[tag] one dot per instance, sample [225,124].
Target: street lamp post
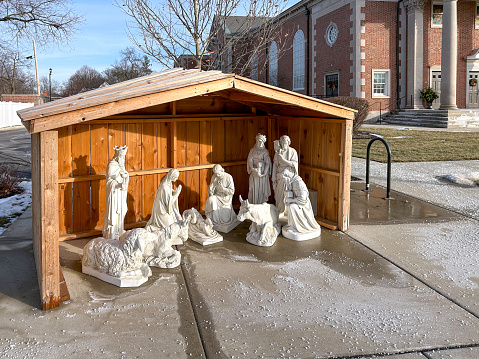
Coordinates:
[50,85]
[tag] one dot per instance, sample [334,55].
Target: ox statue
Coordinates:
[265,227]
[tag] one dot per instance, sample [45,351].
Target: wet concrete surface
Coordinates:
[401,282]
[15,148]
[327,297]
[424,180]
[372,207]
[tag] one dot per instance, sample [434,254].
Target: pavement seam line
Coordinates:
[414,276]
[195,314]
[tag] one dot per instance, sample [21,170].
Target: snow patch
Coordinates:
[17,203]
[455,247]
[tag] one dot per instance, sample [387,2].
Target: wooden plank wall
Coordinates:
[192,146]
[319,144]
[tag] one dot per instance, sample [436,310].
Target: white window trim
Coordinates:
[475,12]
[432,13]
[303,58]
[388,84]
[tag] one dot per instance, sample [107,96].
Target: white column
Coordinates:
[415,51]
[449,55]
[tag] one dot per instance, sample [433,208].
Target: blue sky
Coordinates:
[98,42]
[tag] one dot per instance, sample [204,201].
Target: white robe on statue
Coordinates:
[165,207]
[278,169]
[219,205]
[116,191]
[300,214]
[259,187]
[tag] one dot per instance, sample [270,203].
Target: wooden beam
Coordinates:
[115,107]
[248,97]
[293,98]
[345,175]
[152,171]
[320,170]
[45,216]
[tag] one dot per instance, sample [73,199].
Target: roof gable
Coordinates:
[168,86]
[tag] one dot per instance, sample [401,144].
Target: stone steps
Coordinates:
[422,118]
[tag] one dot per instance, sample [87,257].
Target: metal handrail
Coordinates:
[388,188]
[398,101]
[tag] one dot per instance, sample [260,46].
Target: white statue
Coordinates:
[301,222]
[119,262]
[165,206]
[157,244]
[201,231]
[219,204]
[285,158]
[116,191]
[265,227]
[258,166]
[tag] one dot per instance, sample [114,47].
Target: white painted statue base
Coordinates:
[226,228]
[207,241]
[297,236]
[128,281]
[176,241]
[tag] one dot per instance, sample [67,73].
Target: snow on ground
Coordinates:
[467,179]
[455,247]
[13,205]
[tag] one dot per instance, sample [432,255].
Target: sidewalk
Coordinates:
[402,282]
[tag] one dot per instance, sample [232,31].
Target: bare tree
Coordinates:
[56,87]
[13,78]
[84,79]
[130,66]
[194,27]
[46,21]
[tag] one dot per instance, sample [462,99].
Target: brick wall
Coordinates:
[467,41]
[285,62]
[337,57]
[380,48]
[37,100]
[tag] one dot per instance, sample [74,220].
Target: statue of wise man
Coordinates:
[115,195]
[285,157]
[219,204]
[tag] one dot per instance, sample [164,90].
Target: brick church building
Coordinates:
[383,50]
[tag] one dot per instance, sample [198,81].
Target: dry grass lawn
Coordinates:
[418,146]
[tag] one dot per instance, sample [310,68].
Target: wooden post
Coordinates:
[345,175]
[45,216]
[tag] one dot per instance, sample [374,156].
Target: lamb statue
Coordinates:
[265,227]
[125,262]
[119,262]
[157,244]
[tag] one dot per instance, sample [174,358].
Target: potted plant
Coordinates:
[428,95]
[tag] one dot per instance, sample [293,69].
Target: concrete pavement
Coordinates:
[401,282]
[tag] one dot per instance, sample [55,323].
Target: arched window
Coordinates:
[254,67]
[273,64]
[298,60]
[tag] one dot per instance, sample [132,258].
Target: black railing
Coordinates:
[397,105]
[388,188]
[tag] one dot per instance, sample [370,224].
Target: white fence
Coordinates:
[8,113]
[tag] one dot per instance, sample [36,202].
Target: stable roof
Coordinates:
[173,85]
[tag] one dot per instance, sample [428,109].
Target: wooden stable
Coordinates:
[189,120]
